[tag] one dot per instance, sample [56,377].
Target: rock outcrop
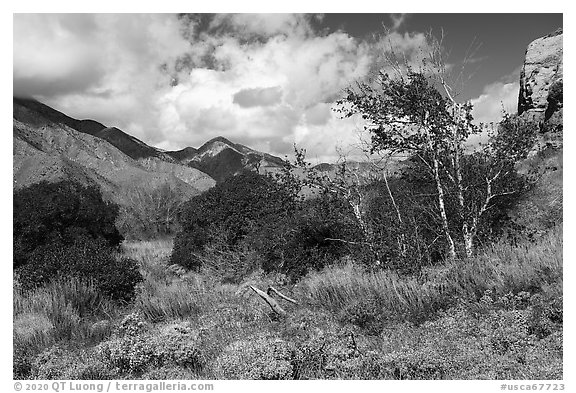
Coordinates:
[541,82]
[541,208]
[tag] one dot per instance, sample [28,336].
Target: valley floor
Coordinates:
[497,316]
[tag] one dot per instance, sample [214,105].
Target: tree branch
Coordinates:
[274,290]
[271,302]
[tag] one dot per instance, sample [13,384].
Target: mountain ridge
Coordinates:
[218,157]
[128,144]
[45,149]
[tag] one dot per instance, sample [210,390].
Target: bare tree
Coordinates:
[155,208]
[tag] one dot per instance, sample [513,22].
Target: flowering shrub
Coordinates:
[59,363]
[493,343]
[544,359]
[135,350]
[507,331]
[263,358]
[132,325]
[129,354]
[179,345]
[334,354]
[414,363]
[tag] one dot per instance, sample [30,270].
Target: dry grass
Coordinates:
[165,294]
[233,326]
[65,309]
[151,251]
[347,286]
[153,256]
[160,301]
[503,268]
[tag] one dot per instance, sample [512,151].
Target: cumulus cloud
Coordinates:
[54,54]
[496,98]
[319,114]
[339,133]
[260,96]
[105,66]
[266,81]
[489,108]
[265,25]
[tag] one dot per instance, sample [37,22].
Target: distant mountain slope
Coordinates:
[184,154]
[46,114]
[220,166]
[221,158]
[366,169]
[31,165]
[131,146]
[44,149]
[95,159]
[128,144]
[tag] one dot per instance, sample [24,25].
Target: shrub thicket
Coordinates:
[322,231]
[263,215]
[45,213]
[498,317]
[114,276]
[65,229]
[235,207]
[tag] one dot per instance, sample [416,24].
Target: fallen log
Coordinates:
[271,302]
[272,289]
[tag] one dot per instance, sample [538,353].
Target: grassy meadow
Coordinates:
[495,316]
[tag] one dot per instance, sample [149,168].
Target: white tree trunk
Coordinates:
[468,241]
[442,208]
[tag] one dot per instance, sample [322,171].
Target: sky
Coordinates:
[266,81]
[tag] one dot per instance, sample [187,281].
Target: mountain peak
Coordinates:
[220,158]
[217,139]
[220,138]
